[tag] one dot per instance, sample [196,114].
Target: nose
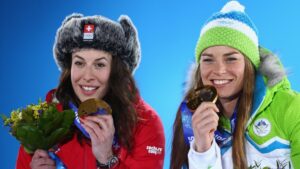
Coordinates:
[88,74]
[220,67]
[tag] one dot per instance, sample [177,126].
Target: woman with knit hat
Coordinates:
[97,57]
[255,122]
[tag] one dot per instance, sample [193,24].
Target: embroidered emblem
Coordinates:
[88,32]
[262,127]
[154,150]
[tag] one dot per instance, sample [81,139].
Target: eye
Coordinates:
[231,59]
[100,65]
[78,63]
[207,60]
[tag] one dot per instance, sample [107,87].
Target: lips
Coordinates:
[221,81]
[88,90]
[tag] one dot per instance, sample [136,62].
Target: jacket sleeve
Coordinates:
[149,146]
[211,159]
[23,160]
[292,128]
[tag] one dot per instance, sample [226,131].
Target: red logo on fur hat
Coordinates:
[88,32]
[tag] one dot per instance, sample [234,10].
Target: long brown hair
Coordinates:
[180,149]
[243,111]
[121,96]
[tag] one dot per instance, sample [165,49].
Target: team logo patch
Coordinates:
[88,32]
[262,127]
[154,150]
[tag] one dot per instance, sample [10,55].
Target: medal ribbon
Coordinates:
[223,136]
[58,162]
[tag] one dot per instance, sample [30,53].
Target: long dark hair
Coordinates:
[180,149]
[121,96]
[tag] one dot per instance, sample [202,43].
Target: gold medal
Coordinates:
[206,93]
[92,106]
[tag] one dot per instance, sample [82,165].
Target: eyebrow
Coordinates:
[226,54]
[81,58]
[207,54]
[230,53]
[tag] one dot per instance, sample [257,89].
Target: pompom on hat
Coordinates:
[120,39]
[230,27]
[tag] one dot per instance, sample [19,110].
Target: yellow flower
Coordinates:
[20,116]
[15,117]
[44,104]
[36,107]
[36,114]
[7,121]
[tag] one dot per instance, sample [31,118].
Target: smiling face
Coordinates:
[90,71]
[223,67]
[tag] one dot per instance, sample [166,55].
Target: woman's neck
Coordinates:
[228,106]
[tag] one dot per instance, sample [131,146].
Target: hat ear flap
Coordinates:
[73,15]
[133,45]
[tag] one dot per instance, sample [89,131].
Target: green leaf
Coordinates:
[27,116]
[4,117]
[57,136]
[69,117]
[30,137]
[5,120]
[46,120]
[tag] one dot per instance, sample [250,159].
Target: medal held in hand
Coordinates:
[89,107]
[202,94]
[93,106]
[190,104]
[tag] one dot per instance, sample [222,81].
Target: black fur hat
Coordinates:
[118,38]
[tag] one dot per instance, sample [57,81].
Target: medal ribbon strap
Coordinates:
[186,119]
[222,136]
[77,121]
[58,162]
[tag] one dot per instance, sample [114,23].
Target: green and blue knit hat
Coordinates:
[230,27]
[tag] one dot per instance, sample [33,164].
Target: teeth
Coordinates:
[88,88]
[220,81]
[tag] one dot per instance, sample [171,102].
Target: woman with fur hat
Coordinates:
[255,122]
[97,57]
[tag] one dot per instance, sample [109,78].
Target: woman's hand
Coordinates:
[204,122]
[41,160]
[101,130]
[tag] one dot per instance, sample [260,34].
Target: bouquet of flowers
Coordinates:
[39,126]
